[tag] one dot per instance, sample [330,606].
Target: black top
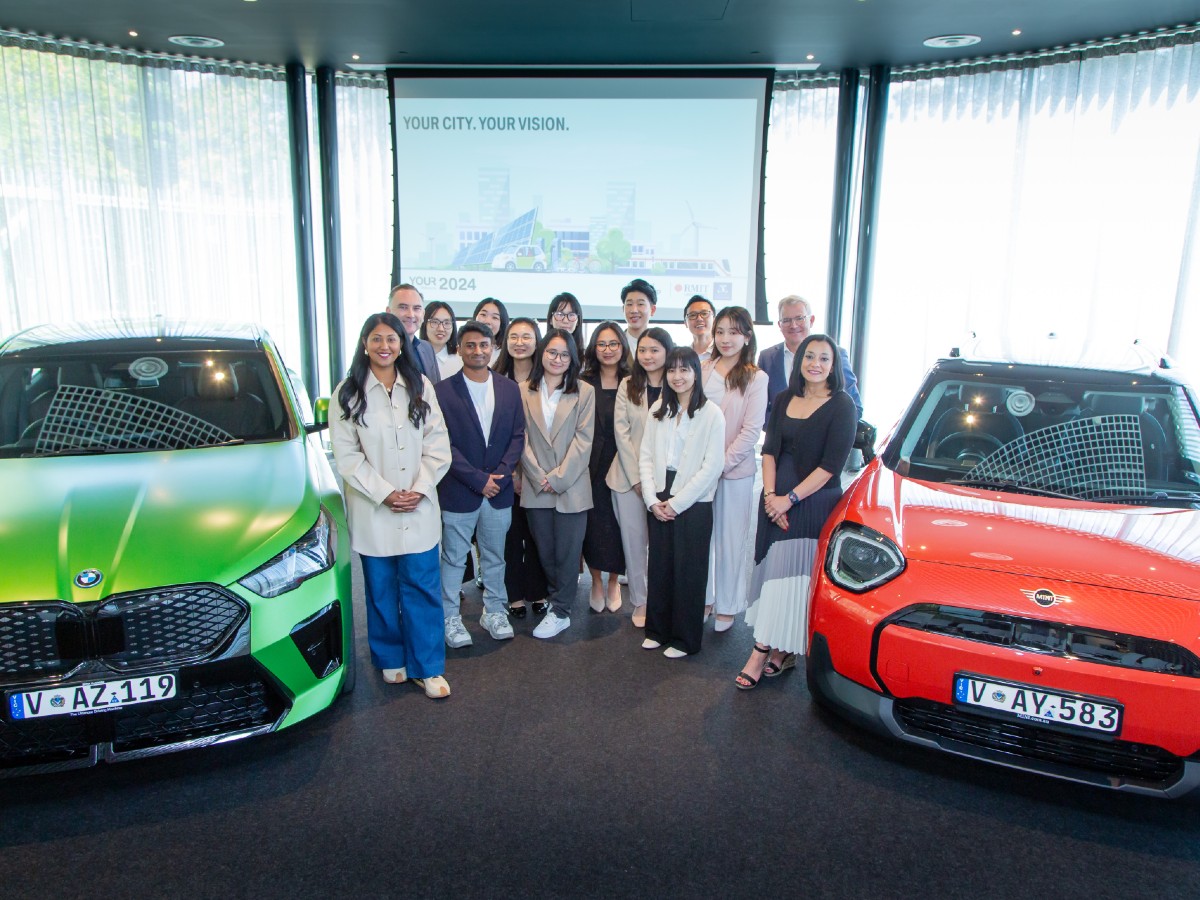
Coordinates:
[823,440]
[604,437]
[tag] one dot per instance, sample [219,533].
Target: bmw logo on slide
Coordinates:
[89,578]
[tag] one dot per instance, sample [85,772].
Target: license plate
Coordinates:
[90,697]
[1033,704]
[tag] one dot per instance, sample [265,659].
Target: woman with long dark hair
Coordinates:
[441,330]
[391,447]
[739,387]
[635,396]
[492,313]
[566,313]
[523,574]
[808,439]
[680,462]
[560,413]
[605,364]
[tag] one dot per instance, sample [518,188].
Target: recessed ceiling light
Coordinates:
[133,34]
[810,56]
[354,56]
[195,41]
[1016,31]
[949,41]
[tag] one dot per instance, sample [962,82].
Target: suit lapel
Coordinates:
[537,418]
[565,405]
[460,388]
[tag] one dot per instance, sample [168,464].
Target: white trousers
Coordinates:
[731,558]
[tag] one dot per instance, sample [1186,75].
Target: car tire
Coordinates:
[538,267]
[350,664]
[510,267]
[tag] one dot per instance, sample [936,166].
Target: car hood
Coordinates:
[1142,549]
[149,519]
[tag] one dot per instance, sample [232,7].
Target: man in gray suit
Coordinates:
[408,305]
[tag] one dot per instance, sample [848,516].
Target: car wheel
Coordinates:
[538,267]
[350,663]
[510,267]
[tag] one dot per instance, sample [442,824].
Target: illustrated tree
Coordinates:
[613,249]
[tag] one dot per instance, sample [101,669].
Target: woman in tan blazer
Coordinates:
[556,492]
[634,398]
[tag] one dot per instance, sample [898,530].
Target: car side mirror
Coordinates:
[320,416]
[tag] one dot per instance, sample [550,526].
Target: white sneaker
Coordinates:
[650,644]
[456,633]
[674,653]
[497,625]
[551,625]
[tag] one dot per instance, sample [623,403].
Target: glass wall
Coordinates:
[1035,196]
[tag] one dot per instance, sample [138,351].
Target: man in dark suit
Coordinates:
[487,434]
[408,305]
[795,321]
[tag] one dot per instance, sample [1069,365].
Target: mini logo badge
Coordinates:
[89,578]
[1045,597]
[58,701]
[999,696]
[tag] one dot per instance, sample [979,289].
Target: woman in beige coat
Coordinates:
[556,492]
[391,448]
[635,396]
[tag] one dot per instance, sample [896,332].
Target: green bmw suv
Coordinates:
[175,555]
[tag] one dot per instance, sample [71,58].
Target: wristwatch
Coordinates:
[792,496]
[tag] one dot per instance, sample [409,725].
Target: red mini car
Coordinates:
[1016,578]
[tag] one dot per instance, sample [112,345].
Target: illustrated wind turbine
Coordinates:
[694,227]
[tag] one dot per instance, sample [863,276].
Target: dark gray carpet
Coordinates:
[582,766]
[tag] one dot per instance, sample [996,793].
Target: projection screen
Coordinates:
[521,187]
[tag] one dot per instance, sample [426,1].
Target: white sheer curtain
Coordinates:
[134,185]
[1048,194]
[798,200]
[364,187]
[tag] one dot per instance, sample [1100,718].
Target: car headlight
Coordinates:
[860,558]
[309,556]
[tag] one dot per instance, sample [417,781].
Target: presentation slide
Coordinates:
[523,187]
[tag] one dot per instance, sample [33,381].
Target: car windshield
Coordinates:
[1098,438]
[122,401]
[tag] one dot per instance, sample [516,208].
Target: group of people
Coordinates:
[624,451]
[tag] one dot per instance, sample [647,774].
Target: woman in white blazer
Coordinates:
[635,396]
[556,492]
[683,450]
[391,447]
[739,387]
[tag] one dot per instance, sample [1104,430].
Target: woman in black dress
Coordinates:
[605,363]
[809,436]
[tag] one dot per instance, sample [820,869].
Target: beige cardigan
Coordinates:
[561,454]
[629,422]
[745,414]
[699,468]
[387,453]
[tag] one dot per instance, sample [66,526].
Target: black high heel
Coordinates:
[750,682]
[518,612]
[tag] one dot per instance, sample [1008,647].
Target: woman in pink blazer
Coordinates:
[739,387]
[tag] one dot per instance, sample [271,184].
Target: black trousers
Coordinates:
[523,574]
[677,574]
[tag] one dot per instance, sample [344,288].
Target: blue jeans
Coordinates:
[404,617]
[490,525]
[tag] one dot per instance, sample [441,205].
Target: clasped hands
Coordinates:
[776,508]
[663,511]
[403,501]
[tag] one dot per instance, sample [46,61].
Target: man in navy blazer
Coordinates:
[407,304]
[796,320]
[487,435]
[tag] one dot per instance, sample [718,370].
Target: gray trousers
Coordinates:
[559,540]
[631,516]
[490,525]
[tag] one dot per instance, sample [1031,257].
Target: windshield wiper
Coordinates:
[1004,484]
[1155,495]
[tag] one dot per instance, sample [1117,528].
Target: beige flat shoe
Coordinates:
[435,686]
[639,616]
[395,676]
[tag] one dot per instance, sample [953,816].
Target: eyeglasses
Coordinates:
[699,316]
[558,354]
[566,316]
[608,345]
[439,323]
[793,320]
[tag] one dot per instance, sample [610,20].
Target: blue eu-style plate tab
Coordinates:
[960,689]
[16,706]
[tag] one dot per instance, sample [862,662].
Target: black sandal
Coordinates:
[518,612]
[751,682]
[772,668]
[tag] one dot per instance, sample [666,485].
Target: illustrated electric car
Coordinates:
[528,258]
[175,551]
[1016,578]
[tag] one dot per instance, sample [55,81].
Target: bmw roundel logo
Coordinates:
[89,578]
